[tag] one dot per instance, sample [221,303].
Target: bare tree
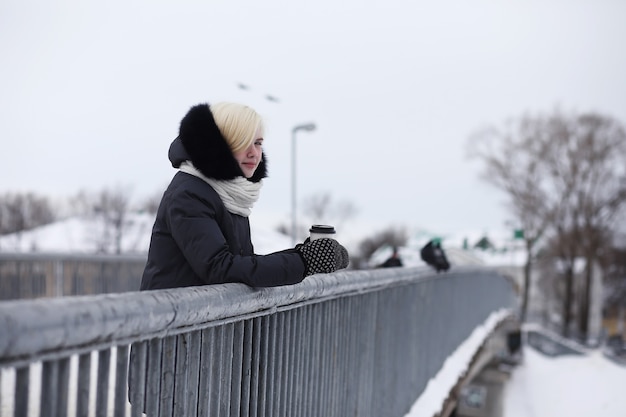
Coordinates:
[151,203]
[23,211]
[317,205]
[111,207]
[82,203]
[115,205]
[588,151]
[391,236]
[283,229]
[321,208]
[563,173]
[511,163]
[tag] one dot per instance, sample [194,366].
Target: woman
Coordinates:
[202,233]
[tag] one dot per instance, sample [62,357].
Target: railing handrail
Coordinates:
[85,323]
[64,256]
[327,346]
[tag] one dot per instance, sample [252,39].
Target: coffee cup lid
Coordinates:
[322,228]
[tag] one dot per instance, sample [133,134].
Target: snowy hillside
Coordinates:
[88,235]
[82,235]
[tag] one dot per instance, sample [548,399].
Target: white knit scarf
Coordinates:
[238,194]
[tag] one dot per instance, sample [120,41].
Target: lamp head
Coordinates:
[308,127]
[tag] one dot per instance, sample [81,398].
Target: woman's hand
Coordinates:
[323,256]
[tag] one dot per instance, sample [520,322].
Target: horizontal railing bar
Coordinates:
[78,324]
[62,257]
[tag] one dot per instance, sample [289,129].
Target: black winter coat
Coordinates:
[195,240]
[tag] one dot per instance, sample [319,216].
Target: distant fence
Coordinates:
[35,275]
[352,343]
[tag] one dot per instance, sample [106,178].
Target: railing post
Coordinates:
[58,277]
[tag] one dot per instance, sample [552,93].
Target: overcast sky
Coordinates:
[92,93]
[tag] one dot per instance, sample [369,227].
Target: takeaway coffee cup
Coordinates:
[318,231]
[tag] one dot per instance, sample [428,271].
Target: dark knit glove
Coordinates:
[322,256]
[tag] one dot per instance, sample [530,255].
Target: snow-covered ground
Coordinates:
[438,388]
[573,386]
[541,386]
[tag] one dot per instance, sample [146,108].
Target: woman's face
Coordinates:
[250,157]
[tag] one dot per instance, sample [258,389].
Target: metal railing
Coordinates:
[36,275]
[353,343]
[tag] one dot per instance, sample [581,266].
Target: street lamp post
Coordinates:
[307,127]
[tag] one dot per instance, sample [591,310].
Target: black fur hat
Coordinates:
[207,148]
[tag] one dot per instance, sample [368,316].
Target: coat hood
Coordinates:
[201,142]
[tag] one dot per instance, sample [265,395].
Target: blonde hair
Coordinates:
[237,123]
